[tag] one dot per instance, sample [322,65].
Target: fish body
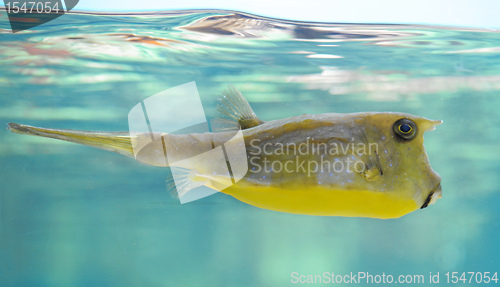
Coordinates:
[357,165]
[337,165]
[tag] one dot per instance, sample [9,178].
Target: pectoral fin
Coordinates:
[373,168]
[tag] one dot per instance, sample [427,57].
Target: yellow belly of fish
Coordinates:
[320,200]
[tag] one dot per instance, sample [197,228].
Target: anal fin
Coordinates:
[187,185]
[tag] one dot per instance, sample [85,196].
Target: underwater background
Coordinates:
[76,216]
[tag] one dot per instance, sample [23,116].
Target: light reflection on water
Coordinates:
[72,216]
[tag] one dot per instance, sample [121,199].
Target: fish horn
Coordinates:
[430,125]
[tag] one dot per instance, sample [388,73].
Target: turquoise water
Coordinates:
[77,216]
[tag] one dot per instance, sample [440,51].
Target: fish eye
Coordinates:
[405,129]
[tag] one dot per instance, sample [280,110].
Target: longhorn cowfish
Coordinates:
[368,164]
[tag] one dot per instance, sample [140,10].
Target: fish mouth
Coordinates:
[434,195]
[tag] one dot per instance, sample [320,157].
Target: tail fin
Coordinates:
[111,141]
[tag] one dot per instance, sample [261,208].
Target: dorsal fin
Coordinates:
[232,105]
